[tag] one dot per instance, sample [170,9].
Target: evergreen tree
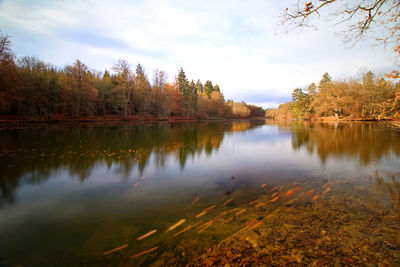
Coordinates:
[208,88]
[199,87]
[300,103]
[139,70]
[104,87]
[312,89]
[194,97]
[185,89]
[183,82]
[325,78]
[143,93]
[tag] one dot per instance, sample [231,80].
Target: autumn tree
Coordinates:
[391,109]
[9,82]
[41,87]
[376,18]
[330,101]
[159,81]
[79,89]
[238,109]
[326,102]
[256,111]
[175,98]
[104,87]
[123,88]
[33,88]
[10,85]
[284,112]
[368,94]
[203,105]
[217,107]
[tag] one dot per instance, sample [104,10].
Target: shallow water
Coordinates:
[71,194]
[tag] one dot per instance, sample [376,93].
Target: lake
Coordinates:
[162,194]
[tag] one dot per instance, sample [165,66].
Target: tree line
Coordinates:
[368,98]
[33,89]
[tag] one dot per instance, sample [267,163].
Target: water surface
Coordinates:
[70,194]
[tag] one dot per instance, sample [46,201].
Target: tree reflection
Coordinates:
[366,141]
[34,155]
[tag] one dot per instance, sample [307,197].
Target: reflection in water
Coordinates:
[32,155]
[247,193]
[367,141]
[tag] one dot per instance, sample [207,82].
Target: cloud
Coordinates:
[231,42]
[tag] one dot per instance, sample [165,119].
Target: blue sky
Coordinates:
[236,44]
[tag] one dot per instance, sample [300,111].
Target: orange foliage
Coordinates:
[274,199]
[291,191]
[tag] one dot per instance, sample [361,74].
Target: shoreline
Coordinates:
[332,119]
[7,122]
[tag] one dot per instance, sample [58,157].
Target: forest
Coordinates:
[31,89]
[366,98]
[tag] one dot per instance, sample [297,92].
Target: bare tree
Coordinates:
[124,86]
[159,80]
[5,44]
[361,17]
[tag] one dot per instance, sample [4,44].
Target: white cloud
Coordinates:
[231,42]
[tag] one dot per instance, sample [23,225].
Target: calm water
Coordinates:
[70,194]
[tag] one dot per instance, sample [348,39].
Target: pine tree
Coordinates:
[312,89]
[143,91]
[139,70]
[199,87]
[325,78]
[300,103]
[104,87]
[208,88]
[194,97]
[185,89]
[183,82]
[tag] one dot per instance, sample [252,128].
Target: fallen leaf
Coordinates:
[195,200]
[146,235]
[274,199]
[144,252]
[240,212]
[115,249]
[176,225]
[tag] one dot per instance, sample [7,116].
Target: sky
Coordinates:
[238,45]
